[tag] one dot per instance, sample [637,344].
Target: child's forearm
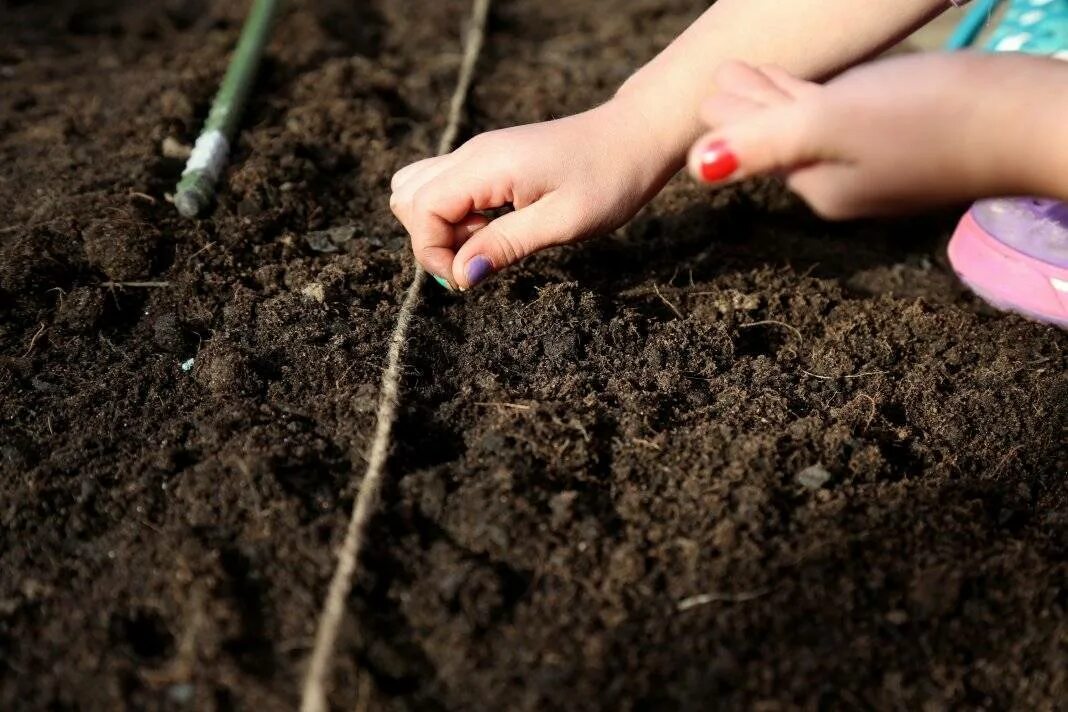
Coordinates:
[810,38]
[1014,127]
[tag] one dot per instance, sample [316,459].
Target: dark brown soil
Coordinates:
[585,444]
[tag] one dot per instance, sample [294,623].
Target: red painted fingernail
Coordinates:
[717,161]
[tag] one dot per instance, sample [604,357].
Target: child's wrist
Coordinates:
[671,123]
[645,148]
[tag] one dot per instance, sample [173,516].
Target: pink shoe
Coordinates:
[1013,252]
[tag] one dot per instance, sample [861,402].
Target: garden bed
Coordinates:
[595,497]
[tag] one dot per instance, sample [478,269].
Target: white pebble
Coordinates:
[813,476]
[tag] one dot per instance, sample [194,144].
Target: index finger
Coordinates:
[440,207]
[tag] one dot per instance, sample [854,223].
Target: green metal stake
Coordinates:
[197,186]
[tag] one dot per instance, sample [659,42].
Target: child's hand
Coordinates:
[566,180]
[885,137]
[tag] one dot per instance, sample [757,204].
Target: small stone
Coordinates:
[173,148]
[182,693]
[314,291]
[329,285]
[730,300]
[330,240]
[813,476]
[744,302]
[897,617]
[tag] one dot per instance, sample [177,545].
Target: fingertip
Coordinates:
[398,178]
[444,283]
[777,140]
[471,266]
[712,159]
[479,257]
[437,261]
[474,271]
[553,219]
[510,238]
[404,174]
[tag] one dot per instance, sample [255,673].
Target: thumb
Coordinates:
[509,239]
[777,139]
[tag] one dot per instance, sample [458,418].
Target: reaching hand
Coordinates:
[566,179]
[882,138]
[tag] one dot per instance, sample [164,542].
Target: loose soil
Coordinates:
[585,444]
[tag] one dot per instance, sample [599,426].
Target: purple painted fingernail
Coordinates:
[477,269]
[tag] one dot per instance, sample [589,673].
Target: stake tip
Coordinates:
[188,203]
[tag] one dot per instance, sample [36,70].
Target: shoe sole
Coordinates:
[1007,279]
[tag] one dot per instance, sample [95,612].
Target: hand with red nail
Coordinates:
[566,180]
[893,135]
[586,174]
